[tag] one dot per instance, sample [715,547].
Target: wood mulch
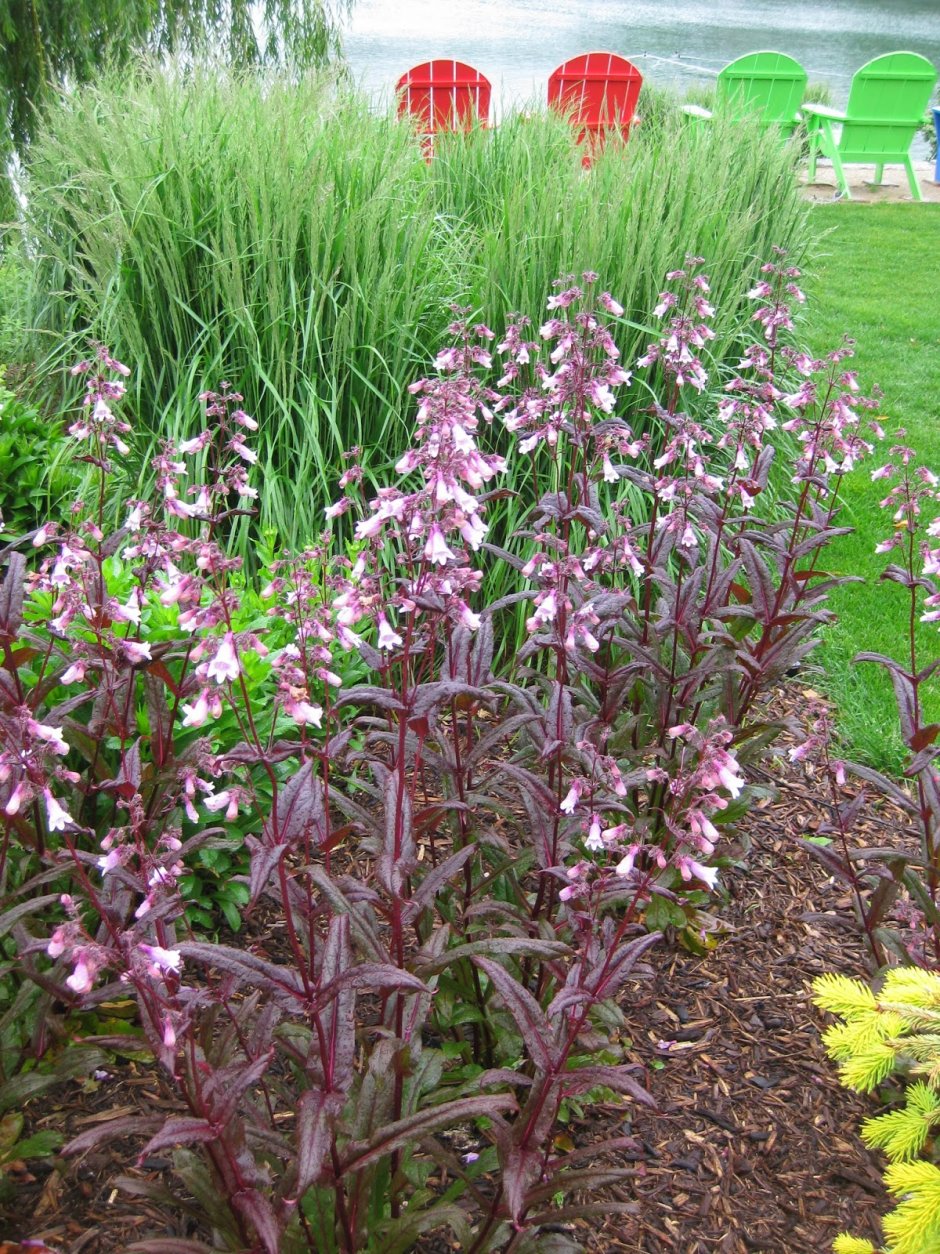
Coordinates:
[754,1146]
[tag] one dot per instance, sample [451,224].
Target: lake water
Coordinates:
[517,43]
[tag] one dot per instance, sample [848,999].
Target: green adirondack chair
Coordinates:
[887,103]
[768,84]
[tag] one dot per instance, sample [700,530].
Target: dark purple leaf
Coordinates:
[372,977]
[430,697]
[130,1125]
[169,1245]
[527,1014]
[579,1211]
[762,466]
[609,975]
[158,715]
[502,1075]
[518,947]
[613,1145]
[225,1087]
[127,781]
[924,736]
[397,859]
[250,755]
[481,655]
[317,1113]
[554,505]
[370,655]
[11,595]
[300,814]
[369,694]
[884,785]
[264,861]
[339,1019]
[12,916]
[832,861]
[410,1129]
[360,917]
[582,1180]
[611,1077]
[424,895]
[521,1169]
[181,1130]
[258,1210]
[763,592]
[560,719]
[281,982]
[887,853]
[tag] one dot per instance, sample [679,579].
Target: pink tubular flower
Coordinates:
[437,550]
[83,977]
[57,816]
[224,666]
[59,941]
[136,652]
[388,637]
[572,798]
[196,715]
[162,961]
[21,793]
[226,800]
[51,735]
[110,861]
[625,866]
[594,840]
[74,674]
[689,868]
[337,510]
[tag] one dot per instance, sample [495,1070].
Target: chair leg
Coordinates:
[879,174]
[841,181]
[912,179]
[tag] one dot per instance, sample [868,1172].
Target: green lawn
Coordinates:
[878,280]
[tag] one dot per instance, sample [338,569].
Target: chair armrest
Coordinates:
[823,111]
[695,111]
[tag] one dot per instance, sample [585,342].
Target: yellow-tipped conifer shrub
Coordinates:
[894,1032]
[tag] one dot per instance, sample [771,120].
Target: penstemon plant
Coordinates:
[454,873]
[651,640]
[897,888]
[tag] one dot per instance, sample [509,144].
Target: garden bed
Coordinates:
[754,1145]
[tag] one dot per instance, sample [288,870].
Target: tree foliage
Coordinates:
[48,43]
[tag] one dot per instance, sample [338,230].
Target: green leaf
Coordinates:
[232,914]
[11,1125]
[661,913]
[39,1145]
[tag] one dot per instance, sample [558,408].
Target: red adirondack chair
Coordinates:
[443,96]
[598,93]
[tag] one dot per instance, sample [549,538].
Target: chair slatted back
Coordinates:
[444,96]
[769,84]
[887,103]
[598,92]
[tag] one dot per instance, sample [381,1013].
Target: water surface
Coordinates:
[517,43]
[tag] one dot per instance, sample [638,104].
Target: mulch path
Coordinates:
[754,1146]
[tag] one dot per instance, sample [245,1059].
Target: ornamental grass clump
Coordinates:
[278,232]
[459,867]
